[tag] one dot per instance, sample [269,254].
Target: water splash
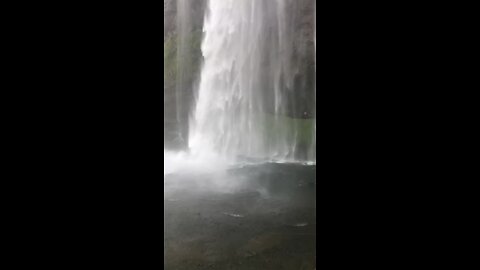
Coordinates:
[185,162]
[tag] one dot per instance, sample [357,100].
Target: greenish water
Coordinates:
[301,130]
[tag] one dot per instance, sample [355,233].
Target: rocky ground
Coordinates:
[266,220]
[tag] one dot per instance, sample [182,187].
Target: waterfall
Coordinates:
[254,98]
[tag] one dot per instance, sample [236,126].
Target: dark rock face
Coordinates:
[183,58]
[302,94]
[298,83]
[169,11]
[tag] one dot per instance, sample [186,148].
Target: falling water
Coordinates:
[251,100]
[244,106]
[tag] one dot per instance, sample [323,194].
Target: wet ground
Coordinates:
[251,217]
